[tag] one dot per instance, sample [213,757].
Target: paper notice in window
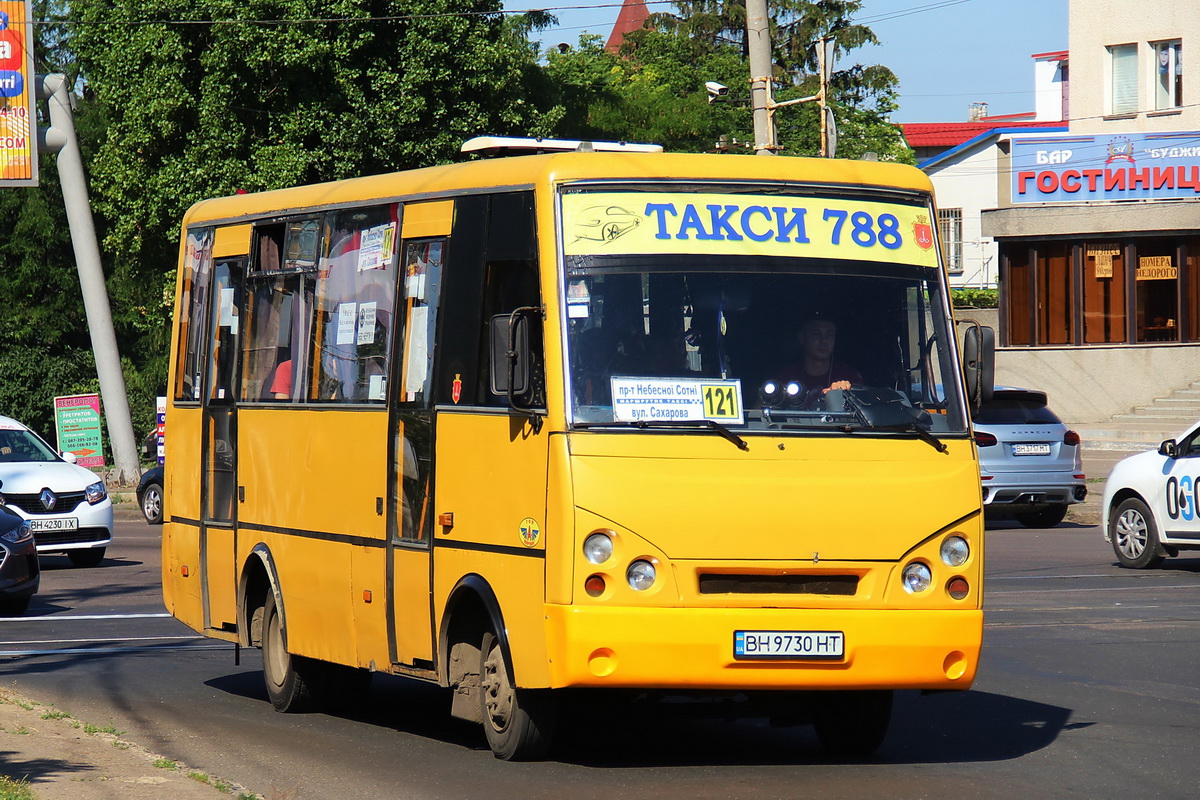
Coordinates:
[347,319]
[376,246]
[366,323]
[416,349]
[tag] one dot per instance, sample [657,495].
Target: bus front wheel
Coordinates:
[853,723]
[291,680]
[518,723]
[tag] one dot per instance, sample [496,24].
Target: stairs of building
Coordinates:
[1140,429]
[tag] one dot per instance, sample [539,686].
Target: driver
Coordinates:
[819,371]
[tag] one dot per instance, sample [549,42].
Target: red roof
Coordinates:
[633,15]
[952,134]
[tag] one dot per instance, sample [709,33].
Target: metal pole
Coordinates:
[60,137]
[821,92]
[758,43]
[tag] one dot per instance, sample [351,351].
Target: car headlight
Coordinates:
[916,577]
[955,551]
[95,493]
[641,575]
[21,533]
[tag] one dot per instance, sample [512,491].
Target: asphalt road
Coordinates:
[1089,687]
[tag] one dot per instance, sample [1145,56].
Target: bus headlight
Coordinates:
[641,575]
[955,551]
[916,577]
[598,548]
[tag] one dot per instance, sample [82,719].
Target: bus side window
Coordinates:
[197,269]
[275,355]
[356,291]
[491,268]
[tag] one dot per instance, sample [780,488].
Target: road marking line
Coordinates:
[106,639]
[988,594]
[54,618]
[103,651]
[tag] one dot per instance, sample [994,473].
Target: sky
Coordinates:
[948,54]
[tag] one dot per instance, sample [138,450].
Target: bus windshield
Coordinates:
[790,338]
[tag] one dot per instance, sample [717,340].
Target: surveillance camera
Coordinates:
[716,89]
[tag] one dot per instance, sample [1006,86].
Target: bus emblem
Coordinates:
[456,391]
[923,232]
[531,532]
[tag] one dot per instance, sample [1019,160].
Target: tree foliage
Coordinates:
[654,90]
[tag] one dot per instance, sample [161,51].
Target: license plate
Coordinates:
[1031,449]
[788,644]
[66,524]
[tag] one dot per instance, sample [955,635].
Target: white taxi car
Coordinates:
[1151,503]
[67,506]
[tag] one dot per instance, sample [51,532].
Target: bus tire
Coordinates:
[291,680]
[1134,535]
[853,723]
[518,723]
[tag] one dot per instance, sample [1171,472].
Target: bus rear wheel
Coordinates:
[291,680]
[853,723]
[518,723]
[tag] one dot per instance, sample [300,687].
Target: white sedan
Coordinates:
[1152,503]
[67,506]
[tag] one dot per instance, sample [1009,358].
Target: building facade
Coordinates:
[1098,228]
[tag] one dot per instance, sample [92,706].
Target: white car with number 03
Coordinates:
[67,506]
[1151,503]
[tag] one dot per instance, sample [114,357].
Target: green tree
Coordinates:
[654,91]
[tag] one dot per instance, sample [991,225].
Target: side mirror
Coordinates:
[1169,449]
[509,366]
[979,363]
[69,457]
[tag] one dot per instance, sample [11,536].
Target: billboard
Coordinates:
[18,117]
[1126,166]
[77,423]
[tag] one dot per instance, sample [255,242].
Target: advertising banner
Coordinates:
[1129,166]
[77,423]
[160,428]
[18,118]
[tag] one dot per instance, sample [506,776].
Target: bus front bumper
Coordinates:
[693,648]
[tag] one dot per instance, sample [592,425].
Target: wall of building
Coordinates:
[1091,384]
[967,183]
[1095,25]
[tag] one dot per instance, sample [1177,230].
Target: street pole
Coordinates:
[823,71]
[758,42]
[60,138]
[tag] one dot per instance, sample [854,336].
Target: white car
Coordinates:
[67,506]
[1151,503]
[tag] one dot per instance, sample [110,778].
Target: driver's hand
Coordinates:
[836,385]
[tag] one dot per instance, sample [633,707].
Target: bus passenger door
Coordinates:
[219,455]
[411,444]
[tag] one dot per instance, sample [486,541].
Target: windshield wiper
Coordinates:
[711,425]
[883,409]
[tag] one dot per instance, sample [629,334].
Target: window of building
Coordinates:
[1103,292]
[950,227]
[1123,76]
[1168,75]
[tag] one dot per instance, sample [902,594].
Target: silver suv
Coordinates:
[1029,461]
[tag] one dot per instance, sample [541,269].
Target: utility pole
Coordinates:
[60,138]
[758,42]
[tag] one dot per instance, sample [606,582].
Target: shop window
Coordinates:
[950,228]
[355,307]
[1055,293]
[1191,265]
[1103,292]
[1123,79]
[1157,279]
[1017,286]
[1168,75]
